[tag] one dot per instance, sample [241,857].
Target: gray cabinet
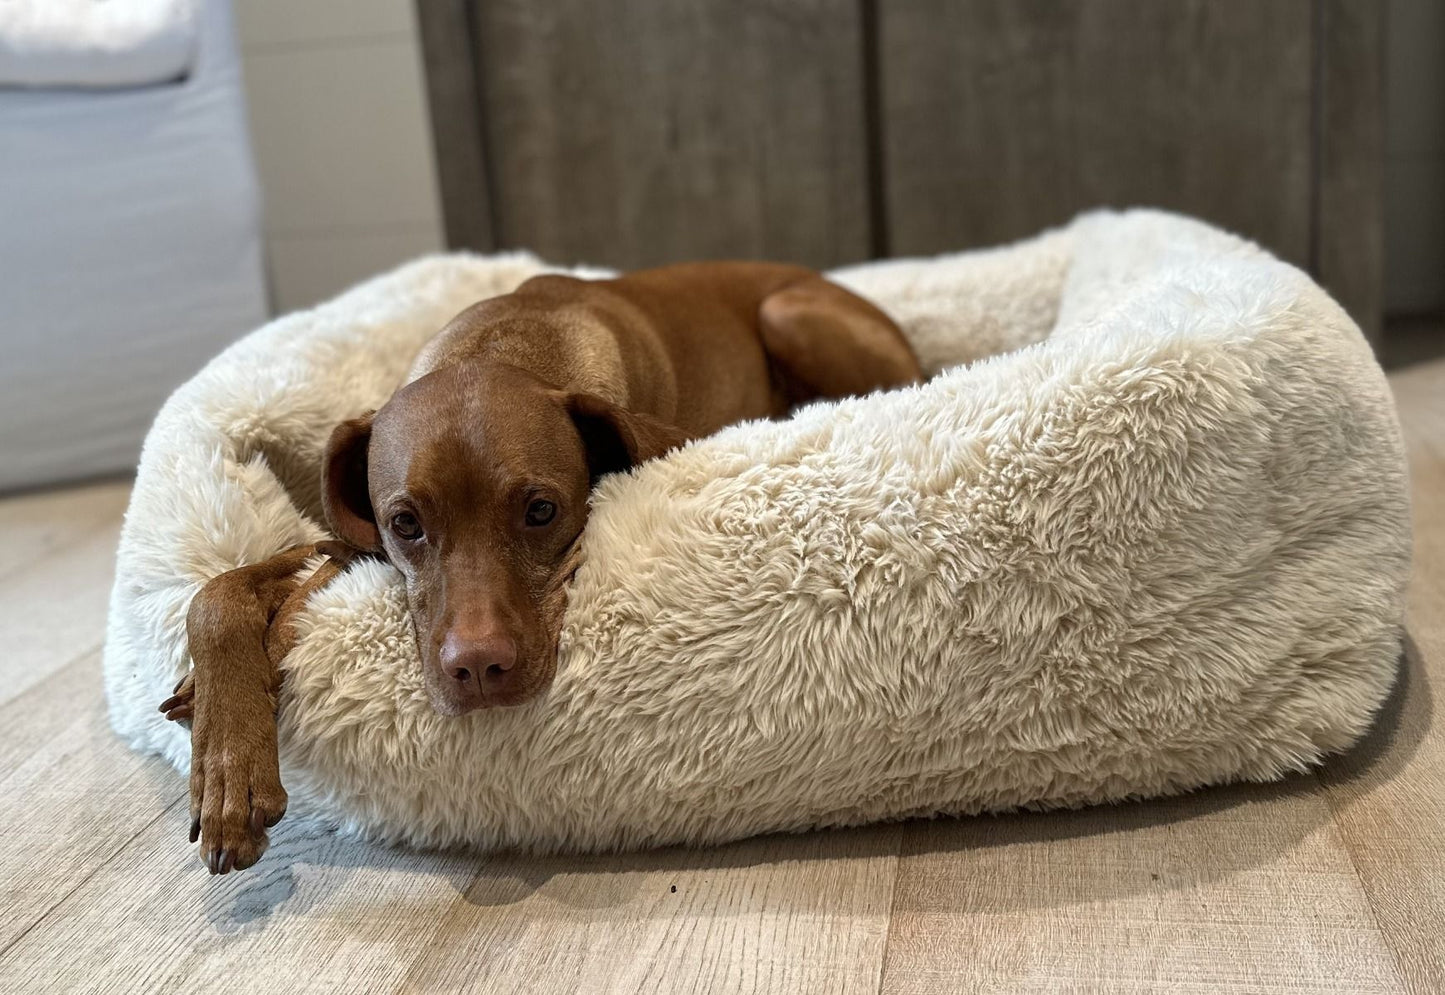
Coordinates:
[635,132]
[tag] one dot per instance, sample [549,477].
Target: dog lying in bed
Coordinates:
[473,479]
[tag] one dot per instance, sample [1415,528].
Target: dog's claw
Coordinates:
[195,829]
[226,860]
[180,706]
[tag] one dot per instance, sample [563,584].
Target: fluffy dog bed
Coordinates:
[1145,530]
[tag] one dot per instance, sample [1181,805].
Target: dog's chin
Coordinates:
[450,707]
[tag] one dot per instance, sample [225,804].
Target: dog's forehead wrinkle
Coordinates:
[451,472]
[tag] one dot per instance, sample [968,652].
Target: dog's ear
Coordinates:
[344,491]
[617,439]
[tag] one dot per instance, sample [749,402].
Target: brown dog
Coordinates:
[473,481]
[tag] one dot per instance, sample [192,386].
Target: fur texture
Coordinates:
[1146,531]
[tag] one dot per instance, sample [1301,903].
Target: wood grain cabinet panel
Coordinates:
[1002,117]
[630,133]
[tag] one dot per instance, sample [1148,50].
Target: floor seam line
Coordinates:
[892,911]
[1402,976]
[99,865]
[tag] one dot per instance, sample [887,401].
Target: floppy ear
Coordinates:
[618,439]
[344,492]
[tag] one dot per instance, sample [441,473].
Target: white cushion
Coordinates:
[95,43]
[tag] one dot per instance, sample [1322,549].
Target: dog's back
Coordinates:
[679,342]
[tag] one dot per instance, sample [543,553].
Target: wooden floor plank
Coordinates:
[784,914]
[35,524]
[1390,805]
[1240,888]
[70,804]
[54,608]
[35,716]
[319,913]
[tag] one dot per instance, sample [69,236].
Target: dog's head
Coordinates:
[473,481]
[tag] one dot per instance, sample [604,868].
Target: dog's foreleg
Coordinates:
[230,698]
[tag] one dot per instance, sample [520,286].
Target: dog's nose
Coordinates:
[485,660]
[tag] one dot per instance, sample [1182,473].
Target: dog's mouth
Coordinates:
[452,705]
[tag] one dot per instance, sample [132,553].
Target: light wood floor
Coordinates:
[1330,882]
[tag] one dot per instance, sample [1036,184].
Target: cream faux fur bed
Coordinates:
[1145,530]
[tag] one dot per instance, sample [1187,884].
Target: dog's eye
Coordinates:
[541,512]
[406,526]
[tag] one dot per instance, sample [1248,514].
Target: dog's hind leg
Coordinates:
[829,342]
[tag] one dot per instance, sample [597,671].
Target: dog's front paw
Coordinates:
[236,792]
